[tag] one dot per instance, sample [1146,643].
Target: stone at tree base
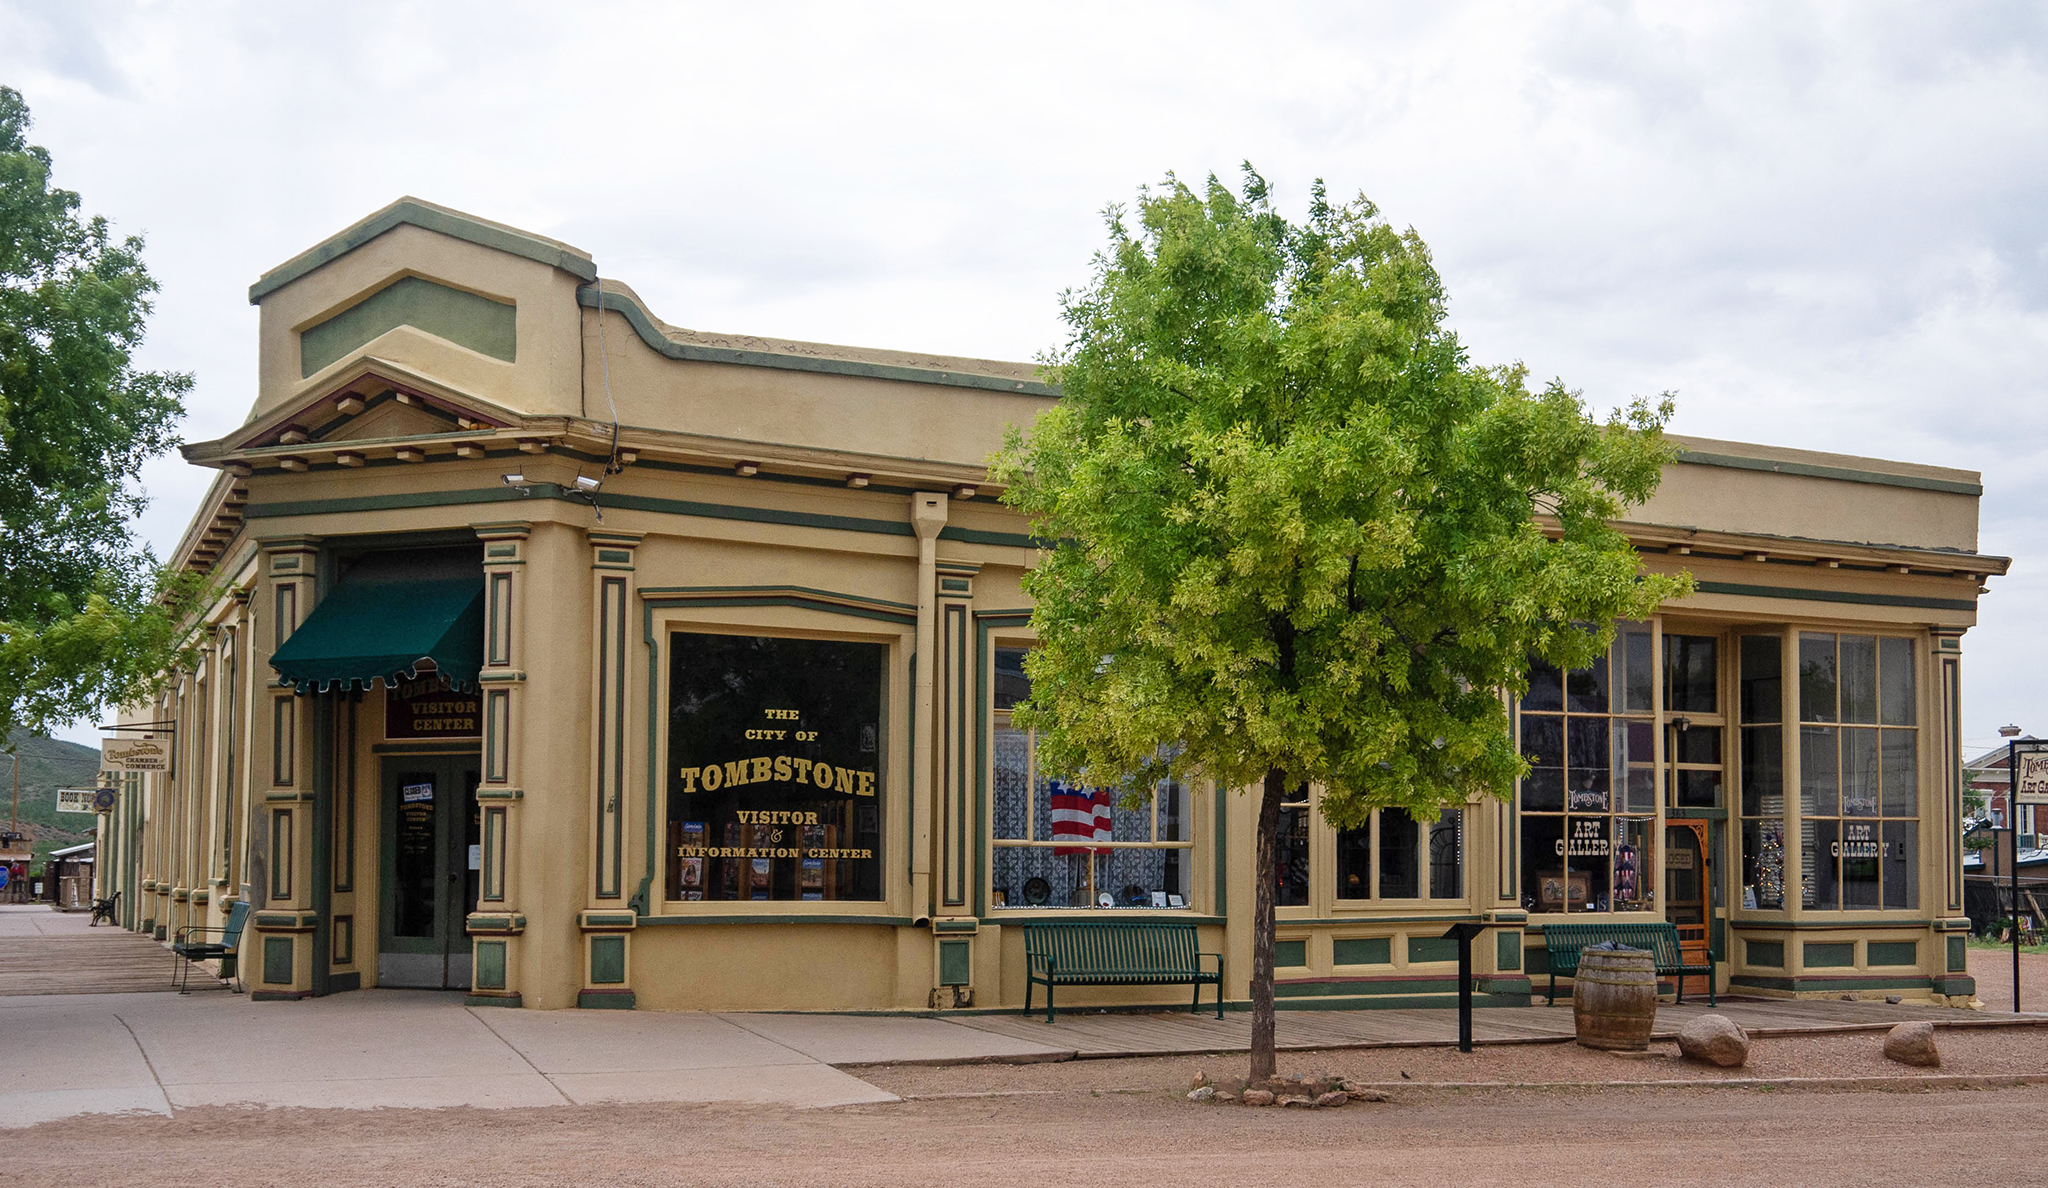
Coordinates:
[1202,1094]
[1715,1039]
[1333,1098]
[1258,1097]
[1912,1043]
[1295,1100]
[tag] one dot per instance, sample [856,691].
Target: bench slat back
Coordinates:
[1566,940]
[1113,946]
[238,915]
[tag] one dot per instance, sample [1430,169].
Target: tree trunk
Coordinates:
[1265,880]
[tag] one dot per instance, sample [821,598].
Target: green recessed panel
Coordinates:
[1892,952]
[1958,956]
[1373,950]
[1763,952]
[277,960]
[1290,952]
[954,962]
[490,965]
[1830,954]
[465,319]
[607,960]
[1508,949]
[1431,948]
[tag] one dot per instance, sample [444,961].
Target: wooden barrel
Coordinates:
[1614,998]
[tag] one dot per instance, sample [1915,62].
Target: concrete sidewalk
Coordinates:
[158,1053]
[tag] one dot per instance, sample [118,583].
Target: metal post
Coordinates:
[1464,991]
[2012,819]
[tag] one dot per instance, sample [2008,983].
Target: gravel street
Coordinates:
[1108,1122]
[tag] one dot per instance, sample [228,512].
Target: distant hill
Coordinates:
[48,764]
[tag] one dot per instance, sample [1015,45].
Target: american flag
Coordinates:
[1079,815]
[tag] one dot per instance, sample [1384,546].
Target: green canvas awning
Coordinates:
[382,623]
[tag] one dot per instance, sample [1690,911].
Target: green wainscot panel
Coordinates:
[1431,948]
[1958,955]
[1507,947]
[1290,952]
[1892,953]
[1764,952]
[490,965]
[1364,950]
[955,962]
[607,960]
[277,960]
[1830,954]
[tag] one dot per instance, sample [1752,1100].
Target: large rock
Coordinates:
[1715,1039]
[1912,1043]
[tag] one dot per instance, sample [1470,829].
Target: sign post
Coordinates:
[1463,934]
[2026,766]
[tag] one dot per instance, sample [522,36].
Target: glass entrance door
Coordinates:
[431,835]
[1686,893]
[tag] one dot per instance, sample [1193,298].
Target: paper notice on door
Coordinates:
[476,857]
[415,793]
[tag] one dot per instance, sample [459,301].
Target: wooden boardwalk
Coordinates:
[48,952]
[1179,1033]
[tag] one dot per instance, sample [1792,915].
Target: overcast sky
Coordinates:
[1822,226]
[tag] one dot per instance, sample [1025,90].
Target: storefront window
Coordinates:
[1059,845]
[1589,799]
[1859,787]
[774,768]
[1413,857]
[1763,772]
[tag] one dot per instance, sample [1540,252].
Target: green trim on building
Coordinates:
[642,322]
[1507,950]
[1290,953]
[1842,596]
[1891,953]
[432,218]
[606,1000]
[1431,948]
[1840,473]
[1958,955]
[1822,985]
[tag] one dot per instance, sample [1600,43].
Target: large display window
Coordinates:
[1060,845]
[1589,801]
[1859,772]
[774,768]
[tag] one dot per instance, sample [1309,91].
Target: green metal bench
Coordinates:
[187,949]
[1661,940]
[1117,953]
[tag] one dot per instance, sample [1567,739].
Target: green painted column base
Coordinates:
[605,1000]
[163,932]
[1955,985]
[279,995]
[496,1000]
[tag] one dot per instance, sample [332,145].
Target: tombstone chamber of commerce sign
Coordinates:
[774,768]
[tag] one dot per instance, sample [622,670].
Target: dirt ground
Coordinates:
[1125,1122]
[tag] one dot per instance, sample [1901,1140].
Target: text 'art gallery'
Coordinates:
[571,658]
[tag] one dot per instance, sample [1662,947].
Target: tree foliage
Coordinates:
[86,615]
[1302,539]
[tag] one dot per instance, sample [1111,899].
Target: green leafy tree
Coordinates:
[1301,539]
[87,617]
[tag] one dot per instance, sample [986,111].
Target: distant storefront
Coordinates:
[706,703]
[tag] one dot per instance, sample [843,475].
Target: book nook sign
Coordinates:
[774,768]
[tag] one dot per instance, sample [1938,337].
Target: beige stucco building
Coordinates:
[573,658]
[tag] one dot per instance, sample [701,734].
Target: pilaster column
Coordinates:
[927,516]
[277,953]
[609,921]
[496,926]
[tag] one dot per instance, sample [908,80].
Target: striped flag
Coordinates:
[1079,815]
